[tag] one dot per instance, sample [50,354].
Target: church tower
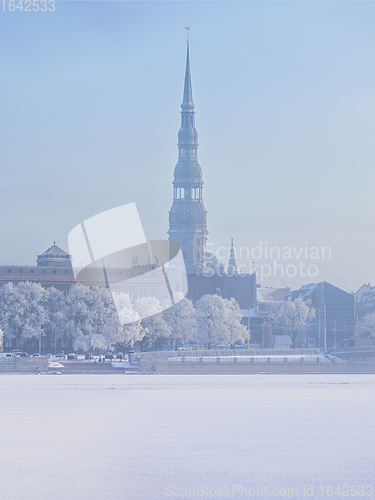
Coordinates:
[188,217]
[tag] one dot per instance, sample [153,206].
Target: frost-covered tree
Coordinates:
[92,318]
[153,324]
[22,312]
[235,331]
[87,314]
[96,341]
[129,329]
[79,319]
[181,321]
[210,318]
[102,312]
[125,308]
[367,325]
[293,316]
[98,319]
[56,314]
[33,297]
[10,312]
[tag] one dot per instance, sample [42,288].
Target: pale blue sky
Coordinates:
[284,94]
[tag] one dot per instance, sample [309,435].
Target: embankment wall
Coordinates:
[26,365]
[163,366]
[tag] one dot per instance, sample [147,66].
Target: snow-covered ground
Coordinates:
[148,437]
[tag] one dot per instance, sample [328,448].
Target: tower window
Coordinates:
[198,256]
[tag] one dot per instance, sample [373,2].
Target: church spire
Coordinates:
[232,266]
[187,101]
[188,217]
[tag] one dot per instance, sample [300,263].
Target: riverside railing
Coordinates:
[254,359]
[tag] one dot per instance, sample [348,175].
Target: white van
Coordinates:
[7,357]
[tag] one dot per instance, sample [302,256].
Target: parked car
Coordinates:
[36,355]
[22,354]
[221,346]
[72,355]
[16,351]
[88,355]
[60,355]
[120,355]
[6,357]
[109,355]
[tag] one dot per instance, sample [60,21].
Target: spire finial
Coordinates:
[187,32]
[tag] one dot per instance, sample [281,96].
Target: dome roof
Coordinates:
[187,135]
[188,171]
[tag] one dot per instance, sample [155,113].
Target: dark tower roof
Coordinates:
[54,250]
[54,256]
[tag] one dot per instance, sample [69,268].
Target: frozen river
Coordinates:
[142,437]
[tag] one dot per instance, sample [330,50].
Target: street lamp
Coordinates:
[248,325]
[40,334]
[335,338]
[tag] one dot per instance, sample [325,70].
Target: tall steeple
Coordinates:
[187,101]
[188,217]
[232,266]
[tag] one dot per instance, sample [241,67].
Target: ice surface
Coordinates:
[126,437]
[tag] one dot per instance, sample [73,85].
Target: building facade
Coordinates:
[54,268]
[334,313]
